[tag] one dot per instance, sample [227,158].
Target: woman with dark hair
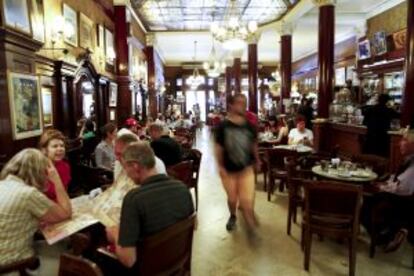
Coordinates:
[104,152]
[301,135]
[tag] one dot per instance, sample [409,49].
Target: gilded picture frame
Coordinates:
[47,106]
[38,20]
[25,105]
[71,20]
[16,15]
[86,32]
[113,94]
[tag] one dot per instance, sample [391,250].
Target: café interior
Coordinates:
[338,74]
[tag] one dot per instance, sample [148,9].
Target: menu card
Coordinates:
[105,209]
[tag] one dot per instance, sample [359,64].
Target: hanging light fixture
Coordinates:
[234,34]
[195,79]
[213,66]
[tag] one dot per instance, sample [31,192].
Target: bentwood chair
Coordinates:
[182,171]
[195,156]
[275,160]
[169,251]
[71,265]
[380,165]
[331,209]
[21,266]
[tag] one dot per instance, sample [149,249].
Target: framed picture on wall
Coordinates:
[100,30]
[113,94]
[16,15]
[71,25]
[38,23]
[86,32]
[340,76]
[400,39]
[25,105]
[364,49]
[109,47]
[380,43]
[47,106]
[112,116]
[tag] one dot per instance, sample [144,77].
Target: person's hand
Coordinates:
[52,173]
[112,234]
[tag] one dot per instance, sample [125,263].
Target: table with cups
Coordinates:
[346,171]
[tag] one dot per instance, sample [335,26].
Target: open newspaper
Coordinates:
[105,209]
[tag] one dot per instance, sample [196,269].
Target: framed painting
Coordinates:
[364,49]
[38,23]
[25,106]
[113,94]
[100,31]
[109,47]
[47,106]
[86,32]
[400,39]
[112,115]
[380,43]
[16,15]
[71,25]
[340,76]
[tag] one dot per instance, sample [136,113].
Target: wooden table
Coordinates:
[297,148]
[358,176]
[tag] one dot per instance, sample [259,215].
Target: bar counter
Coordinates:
[349,139]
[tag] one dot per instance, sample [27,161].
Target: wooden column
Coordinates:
[407,109]
[253,105]
[152,93]
[286,65]
[124,106]
[237,75]
[326,55]
[228,76]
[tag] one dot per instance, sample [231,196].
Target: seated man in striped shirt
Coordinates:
[156,203]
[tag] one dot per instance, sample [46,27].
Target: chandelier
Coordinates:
[233,34]
[213,67]
[195,79]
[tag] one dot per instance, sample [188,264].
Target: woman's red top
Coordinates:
[63,169]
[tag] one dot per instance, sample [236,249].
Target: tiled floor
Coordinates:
[216,252]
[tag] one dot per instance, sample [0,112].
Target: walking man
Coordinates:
[236,152]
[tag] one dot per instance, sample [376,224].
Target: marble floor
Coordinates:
[217,252]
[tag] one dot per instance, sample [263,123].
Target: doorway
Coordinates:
[196,102]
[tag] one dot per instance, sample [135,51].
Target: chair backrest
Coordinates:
[167,251]
[182,171]
[195,156]
[74,266]
[276,157]
[333,199]
[90,178]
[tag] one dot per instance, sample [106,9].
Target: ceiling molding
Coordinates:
[337,40]
[382,7]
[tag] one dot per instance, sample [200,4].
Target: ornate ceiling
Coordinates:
[193,15]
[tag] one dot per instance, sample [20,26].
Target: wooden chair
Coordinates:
[169,251]
[89,178]
[182,171]
[21,266]
[380,165]
[331,209]
[71,265]
[275,160]
[195,156]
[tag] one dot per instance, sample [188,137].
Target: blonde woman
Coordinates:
[23,203]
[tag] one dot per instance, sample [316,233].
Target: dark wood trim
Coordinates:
[237,75]
[253,77]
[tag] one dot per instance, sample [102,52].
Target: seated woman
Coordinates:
[104,152]
[301,135]
[52,144]
[282,130]
[23,205]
